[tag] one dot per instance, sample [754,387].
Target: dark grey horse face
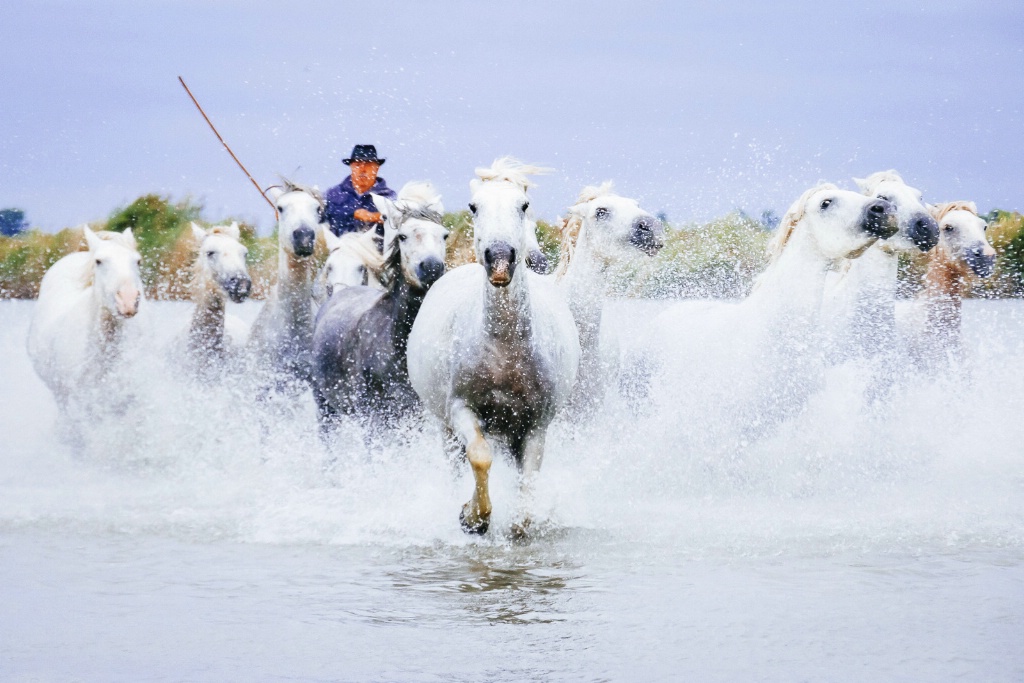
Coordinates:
[500,263]
[879,219]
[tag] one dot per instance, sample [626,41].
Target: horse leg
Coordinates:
[529,456]
[476,514]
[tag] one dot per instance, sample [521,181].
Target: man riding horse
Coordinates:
[349,206]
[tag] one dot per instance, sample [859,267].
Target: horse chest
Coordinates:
[508,388]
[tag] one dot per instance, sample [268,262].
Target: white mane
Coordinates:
[939,211]
[422,193]
[870,184]
[573,223]
[509,170]
[793,215]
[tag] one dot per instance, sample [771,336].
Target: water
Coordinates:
[178,541]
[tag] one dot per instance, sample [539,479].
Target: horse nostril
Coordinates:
[512,256]
[487,256]
[878,207]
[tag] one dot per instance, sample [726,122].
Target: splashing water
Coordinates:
[669,542]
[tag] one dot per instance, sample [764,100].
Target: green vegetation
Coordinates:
[716,259]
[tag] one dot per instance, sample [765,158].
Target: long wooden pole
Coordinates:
[214,129]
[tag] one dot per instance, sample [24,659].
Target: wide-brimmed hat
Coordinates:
[363,153]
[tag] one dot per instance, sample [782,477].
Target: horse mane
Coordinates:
[870,184]
[230,230]
[510,170]
[572,224]
[422,193]
[793,215]
[939,211]
[289,186]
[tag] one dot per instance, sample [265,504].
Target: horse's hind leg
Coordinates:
[530,453]
[476,514]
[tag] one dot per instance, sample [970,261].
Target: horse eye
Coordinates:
[525,206]
[601,213]
[379,229]
[99,262]
[825,204]
[403,237]
[445,236]
[472,207]
[209,254]
[947,227]
[280,209]
[321,216]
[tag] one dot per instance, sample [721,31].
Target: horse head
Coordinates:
[115,278]
[221,260]
[917,229]
[611,226]
[414,238]
[962,238]
[301,214]
[841,223]
[501,218]
[351,260]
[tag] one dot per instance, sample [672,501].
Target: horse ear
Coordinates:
[274,193]
[332,240]
[384,205]
[862,184]
[198,232]
[130,239]
[234,231]
[91,239]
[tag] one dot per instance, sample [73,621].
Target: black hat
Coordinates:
[363,153]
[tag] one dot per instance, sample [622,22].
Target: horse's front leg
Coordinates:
[531,453]
[476,514]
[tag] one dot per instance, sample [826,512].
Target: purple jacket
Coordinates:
[341,201]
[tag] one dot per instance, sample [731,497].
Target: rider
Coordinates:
[349,206]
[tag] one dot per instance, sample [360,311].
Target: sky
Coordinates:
[693,108]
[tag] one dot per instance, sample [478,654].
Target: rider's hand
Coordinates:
[367,216]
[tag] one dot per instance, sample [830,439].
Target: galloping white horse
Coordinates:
[494,351]
[219,273]
[963,253]
[860,298]
[84,300]
[756,361]
[282,334]
[601,230]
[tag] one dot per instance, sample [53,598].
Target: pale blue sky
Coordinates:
[694,108]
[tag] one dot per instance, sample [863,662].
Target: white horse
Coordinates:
[964,253]
[494,351]
[219,273]
[751,364]
[860,297]
[352,261]
[77,328]
[602,230]
[281,336]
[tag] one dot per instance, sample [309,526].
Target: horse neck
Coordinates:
[795,283]
[295,286]
[943,294]
[405,302]
[507,309]
[586,285]
[207,328]
[108,330]
[871,280]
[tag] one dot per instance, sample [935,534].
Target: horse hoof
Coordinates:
[479,527]
[520,532]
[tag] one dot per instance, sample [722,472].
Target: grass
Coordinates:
[715,259]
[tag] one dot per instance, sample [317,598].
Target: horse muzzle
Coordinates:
[303,241]
[648,235]
[982,261]
[879,219]
[923,231]
[537,262]
[429,271]
[127,302]
[500,263]
[238,288]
